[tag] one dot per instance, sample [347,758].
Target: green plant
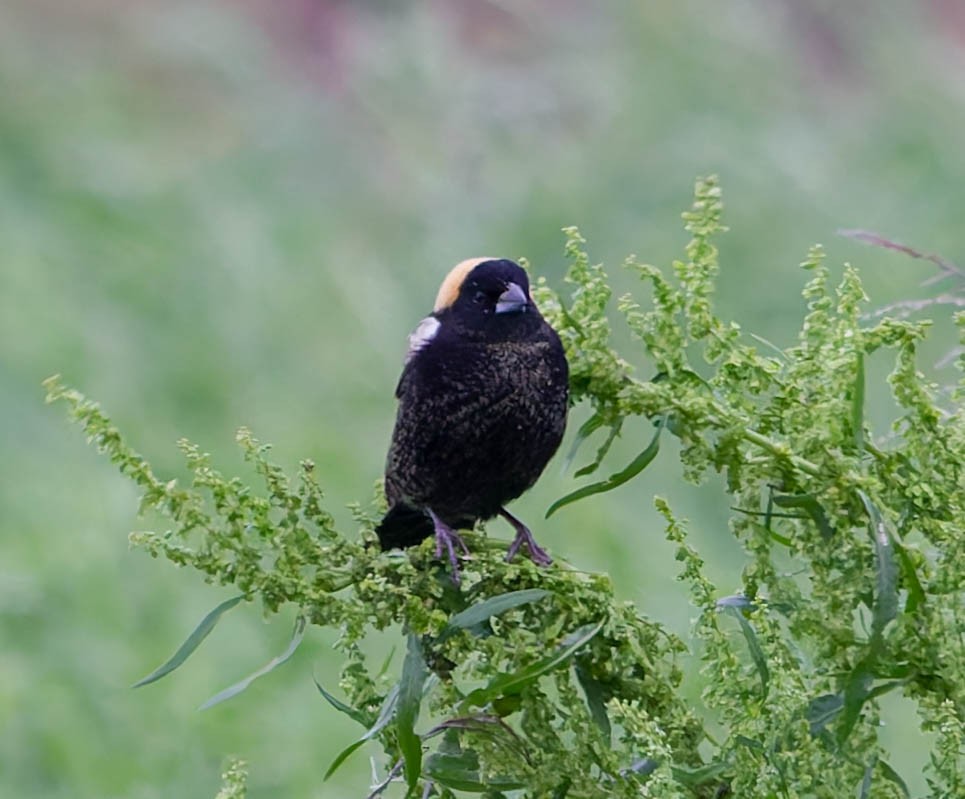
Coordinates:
[539,680]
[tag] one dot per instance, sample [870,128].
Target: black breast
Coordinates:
[477,423]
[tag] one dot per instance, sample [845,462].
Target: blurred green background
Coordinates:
[225,213]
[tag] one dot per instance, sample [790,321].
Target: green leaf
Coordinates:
[857,403]
[855,695]
[894,777]
[777,350]
[482,723]
[769,509]
[481,611]
[355,714]
[857,692]
[783,540]
[822,710]
[884,688]
[769,515]
[386,713]
[297,634]
[450,739]
[701,775]
[737,601]
[193,642]
[641,462]
[749,743]
[414,672]
[885,607]
[506,705]
[601,453]
[757,654]
[916,593]
[588,428]
[384,668]
[493,727]
[645,766]
[811,507]
[517,681]
[595,700]
[460,772]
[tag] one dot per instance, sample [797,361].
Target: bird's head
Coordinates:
[481,299]
[487,295]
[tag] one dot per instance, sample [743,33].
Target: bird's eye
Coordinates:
[479,297]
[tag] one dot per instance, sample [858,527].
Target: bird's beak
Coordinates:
[512,300]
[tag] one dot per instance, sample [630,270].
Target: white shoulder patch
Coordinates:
[421,336]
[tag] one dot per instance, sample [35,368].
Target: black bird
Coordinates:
[482,408]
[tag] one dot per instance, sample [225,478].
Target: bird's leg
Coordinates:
[448,539]
[537,554]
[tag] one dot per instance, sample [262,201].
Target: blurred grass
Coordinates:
[217,214]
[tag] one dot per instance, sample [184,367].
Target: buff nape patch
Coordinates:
[449,290]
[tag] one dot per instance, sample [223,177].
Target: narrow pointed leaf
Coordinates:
[414,672]
[894,777]
[822,710]
[449,745]
[811,507]
[481,611]
[769,509]
[701,775]
[916,594]
[601,453]
[645,766]
[777,350]
[517,681]
[478,723]
[342,757]
[737,601]
[353,713]
[641,462]
[493,727]
[588,428]
[769,515]
[781,539]
[855,695]
[886,572]
[298,633]
[460,772]
[383,669]
[857,403]
[595,700]
[757,654]
[749,743]
[193,642]
[386,714]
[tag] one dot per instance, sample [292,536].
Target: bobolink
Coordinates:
[482,408]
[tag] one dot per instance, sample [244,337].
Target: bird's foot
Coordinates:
[537,554]
[448,539]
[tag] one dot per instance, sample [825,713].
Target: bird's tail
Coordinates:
[403,526]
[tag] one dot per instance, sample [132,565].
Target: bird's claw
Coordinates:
[537,554]
[449,540]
